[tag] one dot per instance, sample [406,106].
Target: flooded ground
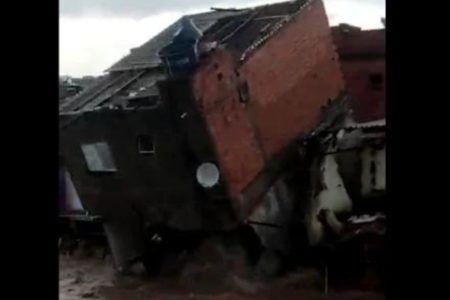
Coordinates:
[208,274]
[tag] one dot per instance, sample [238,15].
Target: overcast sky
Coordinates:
[93,34]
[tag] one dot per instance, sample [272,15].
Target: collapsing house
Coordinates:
[225,118]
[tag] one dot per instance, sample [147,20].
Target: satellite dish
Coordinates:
[207,175]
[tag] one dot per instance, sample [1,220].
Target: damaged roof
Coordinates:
[247,31]
[115,89]
[146,56]
[245,26]
[242,30]
[138,70]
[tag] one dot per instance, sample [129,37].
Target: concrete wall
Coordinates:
[164,181]
[139,178]
[147,188]
[159,187]
[140,187]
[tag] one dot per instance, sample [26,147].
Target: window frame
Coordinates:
[145,151]
[98,157]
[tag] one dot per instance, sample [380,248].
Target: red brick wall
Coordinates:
[367,103]
[239,155]
[362,52]
[289,77]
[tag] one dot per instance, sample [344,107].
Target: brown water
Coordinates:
[209,274]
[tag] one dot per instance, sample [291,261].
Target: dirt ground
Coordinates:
[208,275]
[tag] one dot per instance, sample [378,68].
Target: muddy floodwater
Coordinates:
[209,274]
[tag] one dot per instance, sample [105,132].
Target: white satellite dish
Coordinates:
[207,175]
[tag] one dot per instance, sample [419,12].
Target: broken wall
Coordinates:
[271,218]
[289,78]
[350,176]
[328,192]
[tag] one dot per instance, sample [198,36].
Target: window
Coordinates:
[146,144]
[98,157]
[376,81]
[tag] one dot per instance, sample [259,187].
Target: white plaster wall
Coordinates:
[73,200]
[380,166]
[381,169]
[334,196]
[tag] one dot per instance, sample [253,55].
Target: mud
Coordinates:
[213,272]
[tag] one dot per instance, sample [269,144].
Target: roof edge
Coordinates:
[276,28]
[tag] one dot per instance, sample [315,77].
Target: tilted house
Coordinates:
[191,129]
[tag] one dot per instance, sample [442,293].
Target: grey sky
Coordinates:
[132,8]
[143,8]
[96,33]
